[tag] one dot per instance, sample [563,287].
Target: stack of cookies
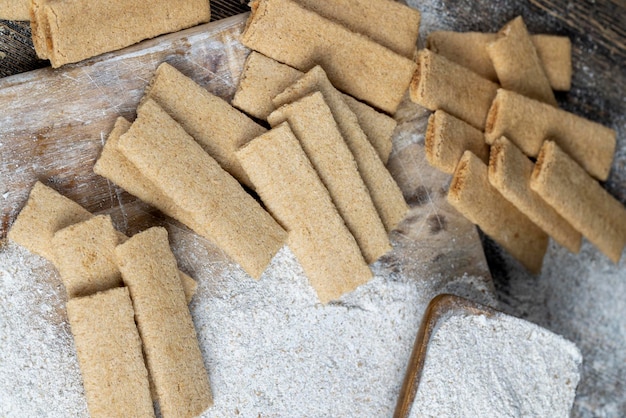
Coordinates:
[523,169]
[319,172]
[127,309]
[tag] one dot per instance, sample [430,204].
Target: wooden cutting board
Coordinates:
[55,122]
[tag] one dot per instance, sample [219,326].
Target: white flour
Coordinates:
[39,375]
[501,366]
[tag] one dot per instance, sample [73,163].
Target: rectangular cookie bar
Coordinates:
[471,194]
[46,212]
[169,338]
[110,355]
[114,166]
[311,120]
[390,23]
[14,10]
[75,30]
[377,126]
[580,199]
[291,189]
[442,84]
[385,193]
[527,123]
[517,63]
[211,201]
[470,50]
[287,32]
[84,256]
[509,173]
[217,126]
[447,138]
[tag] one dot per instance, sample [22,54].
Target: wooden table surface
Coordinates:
[581,297]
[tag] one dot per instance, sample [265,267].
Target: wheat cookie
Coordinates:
[311,120]
[390,23]
[470,50]
[442,84]
[110,356]
[293,192]
[71,31]
[84,256]
[580,199]
[447,138]
[517,63]
[167,332]
[384,192]
[211,201]
[527,123]
[114,166]
[217,126]
[47,212]
[509,173]
[289,33]
[263,78]
[15,9]
[471,194]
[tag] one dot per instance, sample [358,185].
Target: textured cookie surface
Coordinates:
[169,338]
[110,355]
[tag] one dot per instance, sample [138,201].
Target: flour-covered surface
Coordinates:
[270,348]
[38,366]
[581,297]
[496,366]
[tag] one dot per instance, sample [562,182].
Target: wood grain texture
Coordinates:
[17,54]
[604,21]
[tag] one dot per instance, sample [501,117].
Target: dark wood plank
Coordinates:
[17,54]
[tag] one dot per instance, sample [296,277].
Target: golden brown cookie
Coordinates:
[442,84]
[169,338]
[447,138]
[580,199]
[109,353]
[355,64]
[75,30]
[311,120]
[527,123]
[517,63]
[471,194]
[470,50]
[291,189]
[217,126]
[385,193]
[210,200]
[263,78]
[509,173]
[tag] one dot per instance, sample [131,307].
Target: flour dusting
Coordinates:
[39,374]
